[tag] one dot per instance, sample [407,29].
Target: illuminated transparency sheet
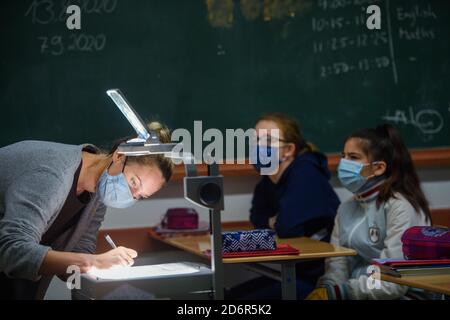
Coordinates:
[156,270]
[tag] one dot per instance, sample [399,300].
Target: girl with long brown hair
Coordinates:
[377,167]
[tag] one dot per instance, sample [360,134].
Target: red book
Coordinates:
[282,249]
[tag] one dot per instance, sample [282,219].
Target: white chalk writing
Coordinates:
[427,121]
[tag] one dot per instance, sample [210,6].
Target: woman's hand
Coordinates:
[120,256]
[57,262]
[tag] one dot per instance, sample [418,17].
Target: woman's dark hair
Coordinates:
[291,131]
[165,165]
[384,143]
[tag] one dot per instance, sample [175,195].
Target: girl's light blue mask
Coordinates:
[349,174]
[114,191]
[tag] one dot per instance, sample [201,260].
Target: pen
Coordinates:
[109,240]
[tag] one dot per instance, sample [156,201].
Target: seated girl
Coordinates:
[297,201]
[377,167]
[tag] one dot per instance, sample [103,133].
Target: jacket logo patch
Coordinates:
[374,234]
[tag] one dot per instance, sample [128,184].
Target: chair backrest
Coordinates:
[441,217]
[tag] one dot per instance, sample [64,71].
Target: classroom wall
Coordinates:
[238,193]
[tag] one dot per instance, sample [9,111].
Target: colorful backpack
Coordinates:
[180,219]
[424,243]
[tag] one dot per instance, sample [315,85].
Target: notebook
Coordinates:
[399,267]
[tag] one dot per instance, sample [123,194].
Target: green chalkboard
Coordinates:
[225,62]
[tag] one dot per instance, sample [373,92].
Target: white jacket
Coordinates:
[373,233]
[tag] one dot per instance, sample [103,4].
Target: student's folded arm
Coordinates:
[400,215]
[262,210]
[30,203]
[336,268]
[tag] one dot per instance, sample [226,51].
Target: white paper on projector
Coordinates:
[138,272]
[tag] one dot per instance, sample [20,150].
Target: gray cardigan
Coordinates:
[35,179]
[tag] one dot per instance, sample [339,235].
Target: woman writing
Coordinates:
[53,199]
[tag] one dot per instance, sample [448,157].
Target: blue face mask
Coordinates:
[349,173]
[262,156]
[114,191]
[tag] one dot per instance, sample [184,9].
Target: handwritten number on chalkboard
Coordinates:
[380,37]
[44,45]
[62,13]
[58,47]
[54,11]
[47,11]
[57,44]
[100,42]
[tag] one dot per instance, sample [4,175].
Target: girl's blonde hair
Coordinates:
[291,131]
[164,164]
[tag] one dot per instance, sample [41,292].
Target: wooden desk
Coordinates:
[309,249]
[435,283]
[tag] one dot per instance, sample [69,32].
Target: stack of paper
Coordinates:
[400,267]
